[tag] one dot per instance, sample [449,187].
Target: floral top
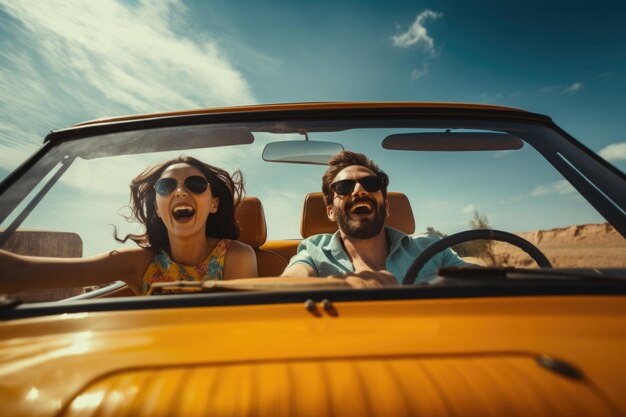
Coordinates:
[162,268]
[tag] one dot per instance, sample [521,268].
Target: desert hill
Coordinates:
[586,246]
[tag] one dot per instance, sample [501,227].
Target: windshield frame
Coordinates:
[558,147]
[609,202]
[470,289]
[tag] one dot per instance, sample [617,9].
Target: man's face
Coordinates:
[360,214]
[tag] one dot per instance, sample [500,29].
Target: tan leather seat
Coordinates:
[315,221]
[251,220]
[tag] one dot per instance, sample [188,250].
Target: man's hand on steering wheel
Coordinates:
[369,279]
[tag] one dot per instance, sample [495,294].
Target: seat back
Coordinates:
[45,243]
[315,220]
[251,220]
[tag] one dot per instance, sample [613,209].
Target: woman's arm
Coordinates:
[240,261]
[21,272]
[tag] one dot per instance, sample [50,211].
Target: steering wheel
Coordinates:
[469,235]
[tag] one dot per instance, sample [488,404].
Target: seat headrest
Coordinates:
[251,220]
[315,221]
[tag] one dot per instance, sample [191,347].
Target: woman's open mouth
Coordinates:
[183,213]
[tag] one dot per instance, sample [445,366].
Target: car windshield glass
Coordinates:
[78,192]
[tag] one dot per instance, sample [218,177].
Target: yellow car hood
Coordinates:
[479,356]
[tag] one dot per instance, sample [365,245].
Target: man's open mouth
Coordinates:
[183,212]
[361,207]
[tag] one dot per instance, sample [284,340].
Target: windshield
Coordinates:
[489,175]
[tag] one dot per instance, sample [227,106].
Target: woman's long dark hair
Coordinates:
[222,224]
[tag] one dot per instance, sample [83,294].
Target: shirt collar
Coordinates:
[335,246]
[395,238]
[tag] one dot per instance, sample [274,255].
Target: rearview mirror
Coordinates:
[301,152]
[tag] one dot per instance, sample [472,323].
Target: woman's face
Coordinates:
[184,212]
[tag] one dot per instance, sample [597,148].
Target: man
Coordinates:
[362,251]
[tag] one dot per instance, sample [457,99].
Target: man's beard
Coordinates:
[361,228]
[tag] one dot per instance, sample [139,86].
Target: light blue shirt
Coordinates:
[326,255]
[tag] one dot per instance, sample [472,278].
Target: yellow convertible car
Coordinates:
[539,328]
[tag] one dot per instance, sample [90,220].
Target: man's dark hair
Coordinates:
[345,159]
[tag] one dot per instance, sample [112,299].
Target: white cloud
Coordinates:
[9,156]
[419,73]
[560,187]
[541,190]
[569,90]
[614,152]
[502,154]
[549,89]
[13,152]
[417,33]
[432,205]
[512,199]
[608,75]
[73,60]
[468,209]
[572,89]
[491,96]
[132,54]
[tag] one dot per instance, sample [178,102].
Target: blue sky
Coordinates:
[63,62]
[68,61]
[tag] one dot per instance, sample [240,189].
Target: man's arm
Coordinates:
[363,279]
[301,266]
[369,279]
[451,258]
[300,270]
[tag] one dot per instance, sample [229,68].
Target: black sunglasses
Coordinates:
[195,184]
[370,183]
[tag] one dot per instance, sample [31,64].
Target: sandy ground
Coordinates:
[580,246]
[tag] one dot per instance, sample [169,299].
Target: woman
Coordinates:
[188,210]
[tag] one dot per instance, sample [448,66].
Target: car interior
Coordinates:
[489,172]
[273,256]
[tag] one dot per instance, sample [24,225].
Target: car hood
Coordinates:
[524,355]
